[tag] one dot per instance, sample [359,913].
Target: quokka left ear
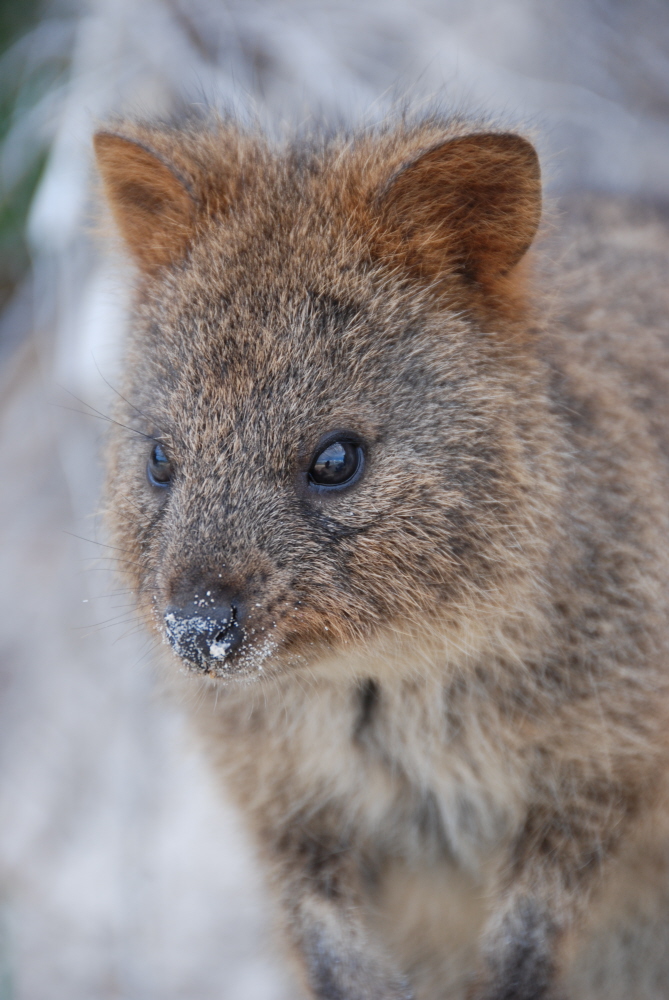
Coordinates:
[470,205]
[151,204]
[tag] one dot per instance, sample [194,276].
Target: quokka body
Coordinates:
[396,493]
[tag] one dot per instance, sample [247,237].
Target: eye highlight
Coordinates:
[339,464]
[159,469]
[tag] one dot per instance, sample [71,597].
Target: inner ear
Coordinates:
[470,205]
[151,203]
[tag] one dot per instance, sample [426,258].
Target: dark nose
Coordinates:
[205,633]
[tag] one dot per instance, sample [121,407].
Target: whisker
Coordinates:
[102,416]
[121,619]
[133,503]
[119,394]
[137,624]
[137,630]
[112,593]
[94,541]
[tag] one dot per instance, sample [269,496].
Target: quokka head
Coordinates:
[326,437]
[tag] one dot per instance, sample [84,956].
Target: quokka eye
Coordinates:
[339,464]
[159,468]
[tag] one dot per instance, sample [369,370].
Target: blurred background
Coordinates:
[122,872]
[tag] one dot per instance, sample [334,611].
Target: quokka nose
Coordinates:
[204,635]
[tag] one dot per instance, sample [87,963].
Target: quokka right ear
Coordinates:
[152,205]
[469,205]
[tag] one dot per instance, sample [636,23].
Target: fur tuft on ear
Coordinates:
[470,205]
[151,204]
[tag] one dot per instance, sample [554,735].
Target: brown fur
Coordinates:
[454,754]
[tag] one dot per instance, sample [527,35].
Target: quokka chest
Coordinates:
[401,774]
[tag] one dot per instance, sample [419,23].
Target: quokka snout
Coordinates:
[360,462]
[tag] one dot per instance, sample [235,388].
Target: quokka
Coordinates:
[376,458]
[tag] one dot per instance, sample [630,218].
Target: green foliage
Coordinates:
[25,78]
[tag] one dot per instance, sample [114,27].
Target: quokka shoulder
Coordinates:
[395,490]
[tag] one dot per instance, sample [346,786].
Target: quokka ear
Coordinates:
[471,204]
[151,204]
